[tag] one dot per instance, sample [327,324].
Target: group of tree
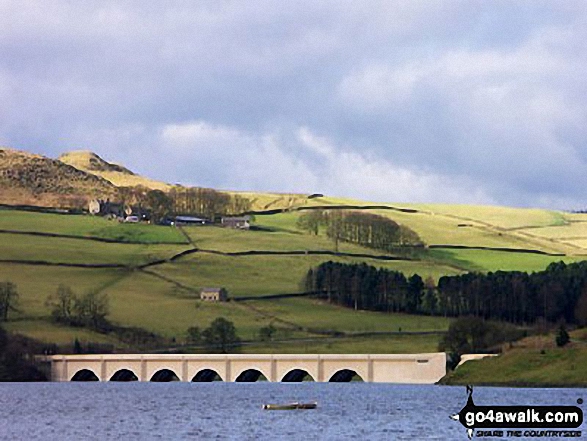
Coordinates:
[469,335]
[361,286]
[8,299]
[366,229]
[195,201]
[557,293]
[207,202]
[17,361]
[219,337]
[88,310]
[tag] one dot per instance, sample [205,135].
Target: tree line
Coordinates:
[196,201]
[557,293]
[207,202]
[361,286]
[366,229]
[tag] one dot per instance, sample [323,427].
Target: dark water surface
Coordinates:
[176,411]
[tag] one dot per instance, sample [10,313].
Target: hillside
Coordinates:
[152,274]
[531,362]
[118,175]
[29,179]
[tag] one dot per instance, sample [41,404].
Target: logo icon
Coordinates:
[474,417]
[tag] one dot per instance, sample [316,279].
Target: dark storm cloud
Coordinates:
[428,101]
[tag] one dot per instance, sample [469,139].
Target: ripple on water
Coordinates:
[144,411]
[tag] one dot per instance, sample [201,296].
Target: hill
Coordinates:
[152,274]
[531,362]
[29,179]
[116,174]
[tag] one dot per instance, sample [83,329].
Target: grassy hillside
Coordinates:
[31,179]
[87,227]
[163,297]
[533,362]
[39,251]
[114,173]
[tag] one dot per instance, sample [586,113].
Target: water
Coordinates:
[219,411]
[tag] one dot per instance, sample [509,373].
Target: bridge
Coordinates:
[378,368]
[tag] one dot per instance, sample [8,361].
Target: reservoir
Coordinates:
[233,411]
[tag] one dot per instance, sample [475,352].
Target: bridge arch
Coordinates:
[164,376]
[345,376]
[251,375]
[85,375]
[297,376]
[207,376]
[124,375]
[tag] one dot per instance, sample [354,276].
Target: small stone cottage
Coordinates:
[214,294]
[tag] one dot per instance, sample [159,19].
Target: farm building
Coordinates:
[241,223]
[214,294]
[127,213]
[190,220]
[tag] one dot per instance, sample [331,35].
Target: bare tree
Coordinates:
[8,299]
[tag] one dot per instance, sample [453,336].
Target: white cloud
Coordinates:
[411,99]
[206,154]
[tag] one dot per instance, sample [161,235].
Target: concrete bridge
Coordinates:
[392,368]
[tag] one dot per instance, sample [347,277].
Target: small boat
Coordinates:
[290,406]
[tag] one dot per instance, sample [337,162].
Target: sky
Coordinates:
[386,101]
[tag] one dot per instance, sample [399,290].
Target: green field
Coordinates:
[490,260]
[401,344]
[65,250]
[320,316]
[164,298]
[143,300]
[527,367]
[230,241]
[36,283]
[87,226]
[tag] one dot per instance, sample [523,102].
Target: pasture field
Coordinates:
[263,275]
[87,226]
[388,344]
[164,297]
[47,332]
[279,222]
[496,216]
[442,229]
[229,241]
[146,301]
[527,367]
[321,316]
[36,283]
[65,250]
[490,260]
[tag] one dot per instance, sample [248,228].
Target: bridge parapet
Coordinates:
[379,368]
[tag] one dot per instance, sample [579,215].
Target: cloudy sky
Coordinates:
[398,101]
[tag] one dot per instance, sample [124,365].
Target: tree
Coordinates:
[581,309]
[220,336]
[8,299]
[471,335]
[62,304]
[91,310]
[562,336]
[266,333]
[194,335]
[311,221]
[335,227]
[160,205]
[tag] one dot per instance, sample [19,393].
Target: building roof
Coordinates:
[189,219]
[211,289]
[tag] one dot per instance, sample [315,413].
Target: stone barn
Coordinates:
[214,294]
